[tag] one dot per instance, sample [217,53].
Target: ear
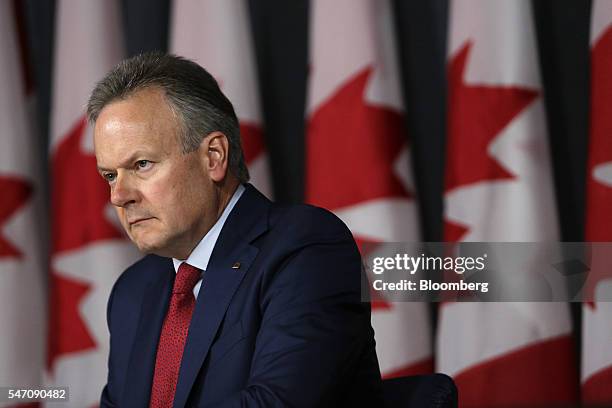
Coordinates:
[215,151]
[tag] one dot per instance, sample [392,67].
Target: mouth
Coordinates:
[138,221]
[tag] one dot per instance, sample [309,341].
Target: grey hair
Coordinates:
[191,92]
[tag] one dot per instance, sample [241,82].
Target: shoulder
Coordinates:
[292,222]
[142,273]
[307,222]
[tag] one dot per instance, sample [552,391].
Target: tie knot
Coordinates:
[186,278]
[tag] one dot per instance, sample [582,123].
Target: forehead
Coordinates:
[143,121]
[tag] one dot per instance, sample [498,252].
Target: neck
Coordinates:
[225,191]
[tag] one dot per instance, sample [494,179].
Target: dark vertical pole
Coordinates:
[421,32]
[146,24]
[563,42]
[40,24]
[281,43]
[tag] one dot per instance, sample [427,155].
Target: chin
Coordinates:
[147,250]
[160,248]
[149,246]
[155,242]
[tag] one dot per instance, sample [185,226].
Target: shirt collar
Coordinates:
[200,255]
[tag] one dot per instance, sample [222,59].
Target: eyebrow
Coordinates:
[127,161]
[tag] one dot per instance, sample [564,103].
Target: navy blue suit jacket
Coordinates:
[287,328]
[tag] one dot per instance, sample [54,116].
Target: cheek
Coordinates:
[121,217]
[120,211]
[171,198]
[160,200]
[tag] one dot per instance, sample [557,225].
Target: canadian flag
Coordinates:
[22,289]
[499,188]
[597,316]
[357,158]
[217,35]
[88,249]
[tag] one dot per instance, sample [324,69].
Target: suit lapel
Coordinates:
[141,367]
[247,221]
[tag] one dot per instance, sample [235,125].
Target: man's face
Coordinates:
[165,199]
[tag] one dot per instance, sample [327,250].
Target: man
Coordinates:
[240,302]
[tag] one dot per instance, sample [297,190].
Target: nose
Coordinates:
[123,192]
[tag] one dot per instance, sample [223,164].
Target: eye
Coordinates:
[143,164]
[109,177]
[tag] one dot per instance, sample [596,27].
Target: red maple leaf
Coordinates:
[252,141]
[67,331]
[15,193]
[352,148]
[378,302]
[454,231]
[477,114]
[79,198]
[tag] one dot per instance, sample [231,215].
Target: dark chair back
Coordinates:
[422,391]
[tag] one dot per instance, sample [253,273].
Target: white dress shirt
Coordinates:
[200,255]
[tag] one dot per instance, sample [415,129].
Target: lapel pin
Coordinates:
[236,265]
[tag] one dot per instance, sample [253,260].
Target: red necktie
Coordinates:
[173,337]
